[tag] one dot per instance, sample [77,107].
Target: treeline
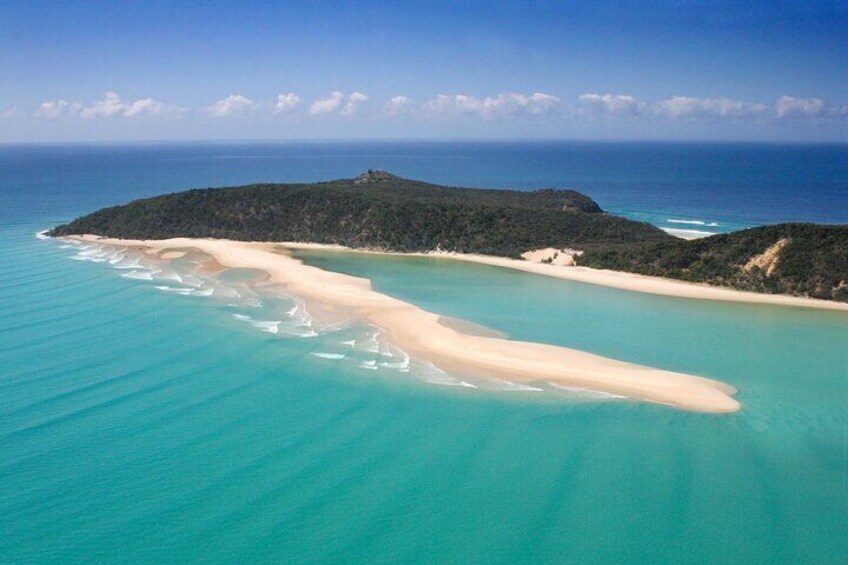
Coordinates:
[811,260]
[375,210]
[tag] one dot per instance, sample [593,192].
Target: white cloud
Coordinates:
[232,105]
[505,105]
[453,104]
[55,109]
[512,103]
[327,105]
[336,101]
[682,107]
[353,102]
[398,106]
[614,105]
[502,105]
[789,107]
[111,105]
[150,107]
[286,102]
[674,108]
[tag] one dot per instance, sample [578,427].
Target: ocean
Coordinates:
[160,416]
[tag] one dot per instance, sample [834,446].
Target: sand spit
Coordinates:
[421,333]
[614,279]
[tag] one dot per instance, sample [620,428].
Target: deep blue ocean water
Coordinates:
[138,425]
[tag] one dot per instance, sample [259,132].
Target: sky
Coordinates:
[653,70]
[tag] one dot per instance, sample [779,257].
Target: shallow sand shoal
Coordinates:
[421,333]
[613,279]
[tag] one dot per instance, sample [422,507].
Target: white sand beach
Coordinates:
[421,333]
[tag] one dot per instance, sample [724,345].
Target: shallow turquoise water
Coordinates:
[156,423]
[145,426]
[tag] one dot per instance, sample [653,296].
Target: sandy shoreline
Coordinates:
[422,334]
[612,279]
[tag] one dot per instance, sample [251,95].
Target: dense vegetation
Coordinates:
[380,211]
[375,210]
[800,259]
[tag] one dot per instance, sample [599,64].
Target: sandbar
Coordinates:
[422,334]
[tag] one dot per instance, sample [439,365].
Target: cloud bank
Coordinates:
[338,103]
[611,105]
[111,106]
[539,106]
[502,105]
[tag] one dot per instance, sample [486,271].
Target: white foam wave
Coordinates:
[350,343]
[226,291]
[138,275]
[586,392]
[687,234]
[186,291]
[110,254]
[509,386]
[191,280]
[127,263]
[323,355]
[271,327]
[170,276]
[402,364]
[298,322]
[692,222]
[175,289]
[42,234]
[268,326]
[433,375]
[330,328]
[90,253]
[308,333]
[370,365]
[372,342]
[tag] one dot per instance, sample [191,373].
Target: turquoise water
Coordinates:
[145,426]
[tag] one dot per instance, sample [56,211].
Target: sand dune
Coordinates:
[422,334]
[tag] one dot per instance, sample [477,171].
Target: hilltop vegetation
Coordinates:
[380,211]
[375,210]
[800,259]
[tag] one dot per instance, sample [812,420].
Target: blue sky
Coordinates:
[292,70]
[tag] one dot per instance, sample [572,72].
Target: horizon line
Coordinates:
[282,141]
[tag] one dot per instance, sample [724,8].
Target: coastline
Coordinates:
[613,279]
[425,334]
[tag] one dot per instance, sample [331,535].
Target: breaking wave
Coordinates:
[693,222]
